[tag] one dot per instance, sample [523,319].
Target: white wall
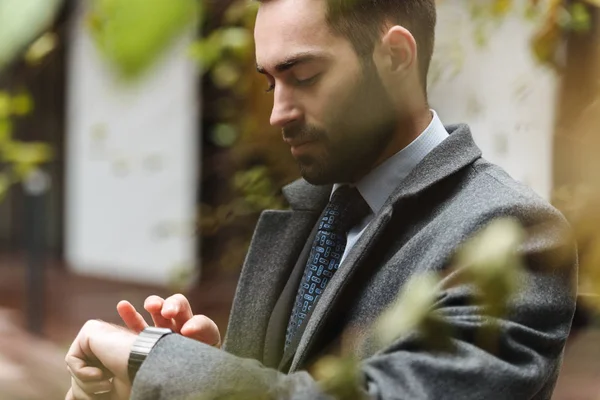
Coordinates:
[131,167]
[498,89]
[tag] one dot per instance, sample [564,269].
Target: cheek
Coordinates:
[328,106]
[333,92]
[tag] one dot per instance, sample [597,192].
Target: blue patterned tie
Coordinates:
[344,210]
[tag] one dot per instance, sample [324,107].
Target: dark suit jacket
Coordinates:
[447,198]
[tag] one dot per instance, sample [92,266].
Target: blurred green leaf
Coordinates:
[531,12]
[545,42]
[5,104]
[257,189]
[226,74]
[224,135]
[41,48]
[5,183]
[595,3]
[5,131]
[206,52]
[339,377]
[21,104]
[238,40]
[211,51]
[410,312]
[491,261]
[480,35]
[581,20]
[502,7]
[21,22]
[132,34]
[239,10]
[26,156]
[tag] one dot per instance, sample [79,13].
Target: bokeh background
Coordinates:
[136,155]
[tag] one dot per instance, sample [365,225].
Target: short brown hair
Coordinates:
[361,22]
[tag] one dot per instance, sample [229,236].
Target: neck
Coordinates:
[408,129]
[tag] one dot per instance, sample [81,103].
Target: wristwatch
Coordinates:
[142,346]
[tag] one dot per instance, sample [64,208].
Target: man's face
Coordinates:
[332,108]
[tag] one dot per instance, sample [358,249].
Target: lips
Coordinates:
[298,142]
[300,148]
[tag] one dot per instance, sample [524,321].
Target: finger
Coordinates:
[85,372]
[131,317]
[202,329]
[70,395]
[178,308]
[93,388]
[78,393]
[122,390]
[81,361]
[154,305]
[79,368]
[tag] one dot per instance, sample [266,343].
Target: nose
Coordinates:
[285,110]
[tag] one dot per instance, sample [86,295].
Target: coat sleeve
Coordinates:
[523,365]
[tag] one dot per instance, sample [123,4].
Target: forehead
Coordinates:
[287,27]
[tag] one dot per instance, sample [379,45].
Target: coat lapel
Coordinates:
[298,349]
[277,328]
[455,153]
[275,248]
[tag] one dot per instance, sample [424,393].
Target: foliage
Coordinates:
[20,159]
[131,34]
[412,311]
[555,19]
[21,22]
[238,107]
[492,264]
[581,205]
[561,18]
[22,29]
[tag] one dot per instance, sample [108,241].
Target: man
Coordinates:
[388,192]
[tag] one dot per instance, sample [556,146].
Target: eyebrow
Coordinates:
[301,58]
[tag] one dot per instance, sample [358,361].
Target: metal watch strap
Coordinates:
[142,346]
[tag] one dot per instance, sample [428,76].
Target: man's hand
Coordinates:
[174,313]
[97,361]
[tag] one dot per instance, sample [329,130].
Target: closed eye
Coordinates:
[297,82]
[307,82]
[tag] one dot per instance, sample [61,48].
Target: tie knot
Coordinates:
[348,206]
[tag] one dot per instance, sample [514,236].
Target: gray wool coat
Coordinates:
[447,198]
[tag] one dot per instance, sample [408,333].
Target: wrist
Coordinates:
[142,347]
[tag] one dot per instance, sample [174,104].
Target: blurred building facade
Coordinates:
[132,163]
[484,73]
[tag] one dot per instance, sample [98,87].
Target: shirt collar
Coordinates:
[380,183]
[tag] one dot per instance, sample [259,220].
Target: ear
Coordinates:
[396,53]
